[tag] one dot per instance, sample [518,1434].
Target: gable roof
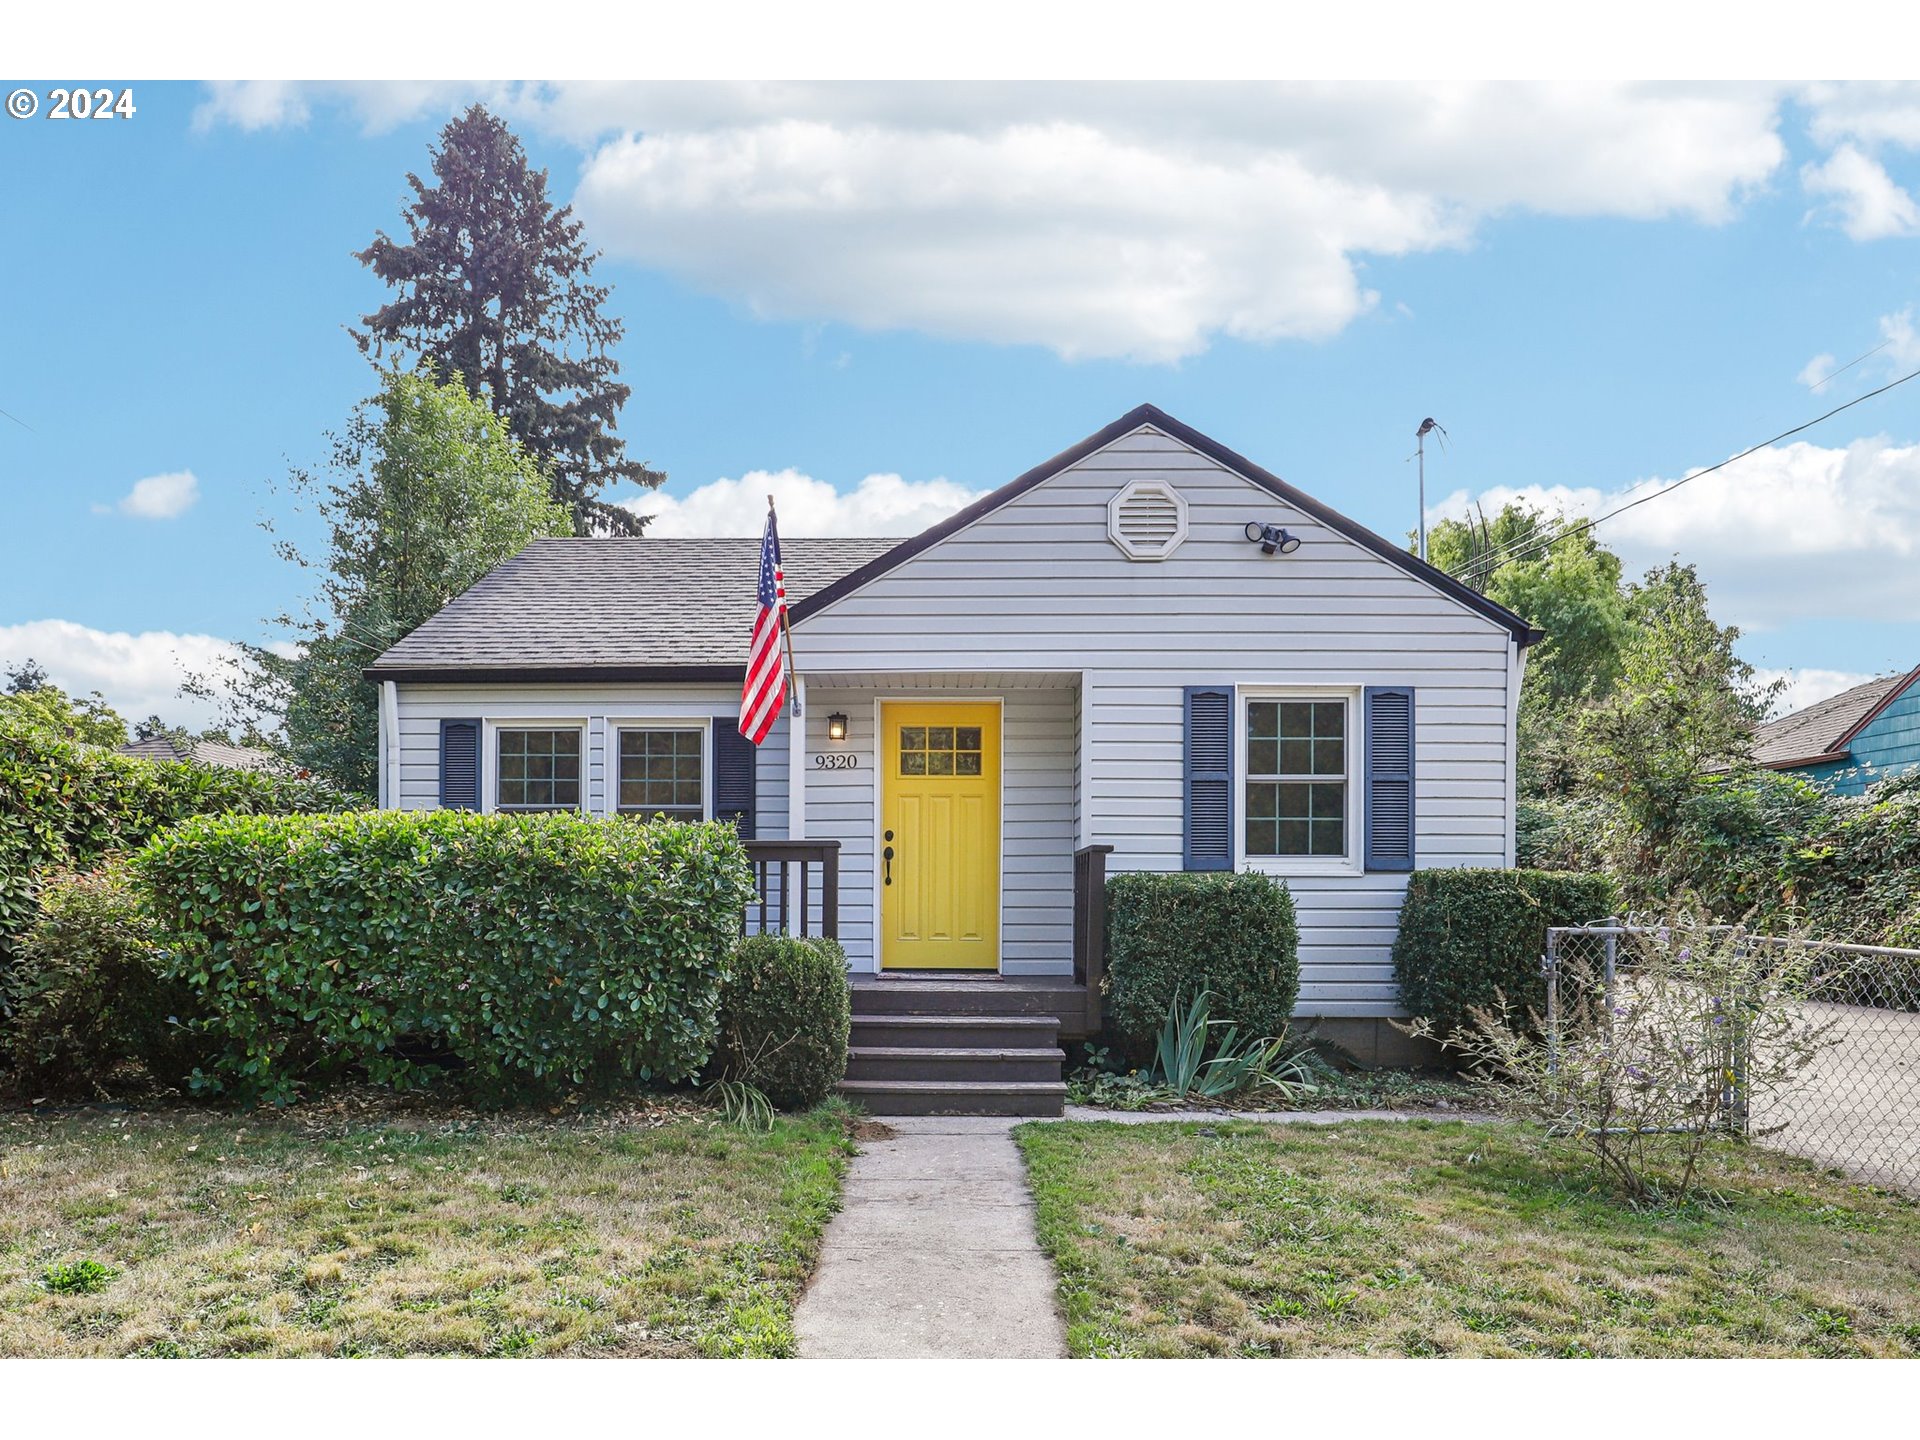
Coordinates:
[1825,730]
[1523,633]
[663,608]
[641,608]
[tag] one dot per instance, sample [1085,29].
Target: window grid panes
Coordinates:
[660,774]
[1297,777]
[538,770]
[940,750]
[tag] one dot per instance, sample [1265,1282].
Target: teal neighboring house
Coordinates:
[1850,741]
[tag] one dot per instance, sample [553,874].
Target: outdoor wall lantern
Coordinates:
[836,726]
[1272,539]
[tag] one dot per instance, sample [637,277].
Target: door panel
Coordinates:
[940,816]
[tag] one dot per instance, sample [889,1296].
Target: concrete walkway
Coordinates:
[933,1253]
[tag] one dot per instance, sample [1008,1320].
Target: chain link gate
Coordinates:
[1857,1107]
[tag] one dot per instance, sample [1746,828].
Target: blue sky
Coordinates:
[947,284]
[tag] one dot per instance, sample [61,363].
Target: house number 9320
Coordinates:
[839,760]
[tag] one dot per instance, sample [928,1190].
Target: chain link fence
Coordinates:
[1857,1106]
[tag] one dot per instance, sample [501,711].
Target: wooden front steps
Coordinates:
[972,1046]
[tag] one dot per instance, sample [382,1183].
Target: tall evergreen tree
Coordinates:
[495,287]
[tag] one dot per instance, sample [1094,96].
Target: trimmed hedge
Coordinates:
[784,1017]
[93,1015]
[1468,936]
[66,806]
[523,953]
[1178,934]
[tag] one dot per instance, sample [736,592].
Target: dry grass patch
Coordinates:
[655,1231]
[1425,1238]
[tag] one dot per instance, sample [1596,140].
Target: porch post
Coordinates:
[797,763]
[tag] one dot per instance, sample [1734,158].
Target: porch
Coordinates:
[796,892]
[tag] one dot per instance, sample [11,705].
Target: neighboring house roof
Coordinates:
[644,609]
[1825,730]
[201,752]
[664,608]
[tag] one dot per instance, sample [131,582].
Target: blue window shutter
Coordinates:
[1389,731]
[1209,777]
[460,764]
[734,759]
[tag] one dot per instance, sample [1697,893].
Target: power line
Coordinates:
[1495,558]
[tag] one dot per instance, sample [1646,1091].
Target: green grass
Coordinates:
[1426,1238]
[652,1232]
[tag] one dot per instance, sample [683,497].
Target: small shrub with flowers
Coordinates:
[1648,1068]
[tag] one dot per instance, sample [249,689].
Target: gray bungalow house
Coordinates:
[1147,653]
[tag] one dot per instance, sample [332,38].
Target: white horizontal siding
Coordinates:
[1038,815]
[1037,586]
[421,708]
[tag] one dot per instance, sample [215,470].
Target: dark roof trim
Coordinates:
[550,674]
[1523,633]
[1845,743]
[1804,760]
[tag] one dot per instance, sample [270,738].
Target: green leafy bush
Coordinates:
[93,1015]
[1469,937]
[66,806]
[1176,935]
[77,1277]
[784,1017]
[518,953]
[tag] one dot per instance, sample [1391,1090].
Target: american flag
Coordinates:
[765,690]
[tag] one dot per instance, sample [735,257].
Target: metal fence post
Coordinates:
[1550,968]
[1738,1039]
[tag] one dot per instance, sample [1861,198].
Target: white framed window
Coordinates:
[1299,799]
[538,767]
[661,769]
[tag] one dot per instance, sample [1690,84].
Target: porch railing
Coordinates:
[1090,925]
[796,888]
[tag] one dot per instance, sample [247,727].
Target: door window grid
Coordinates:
[940,750]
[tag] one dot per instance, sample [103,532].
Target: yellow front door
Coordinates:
[940,836]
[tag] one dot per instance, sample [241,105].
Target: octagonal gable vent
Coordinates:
[1147,520]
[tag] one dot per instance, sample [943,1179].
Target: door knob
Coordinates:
[886,856]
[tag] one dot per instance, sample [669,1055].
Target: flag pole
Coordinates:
[786,625]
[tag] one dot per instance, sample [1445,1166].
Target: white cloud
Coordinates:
[1873,112]
[251,105]
[1114,220]
[1793,532]
[1805,686]
[1864,198]
[157,497]
[884,505]
[139,674]
[1817,371]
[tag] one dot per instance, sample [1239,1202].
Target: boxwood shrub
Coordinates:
[94,1018]
[1469,936]
[1179,934]
[520,953]
[784,1016]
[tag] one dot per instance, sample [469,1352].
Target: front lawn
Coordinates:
[385,1231]
[1428,1238]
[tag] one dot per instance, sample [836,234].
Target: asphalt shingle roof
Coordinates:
[203,752]
[1823,728]
[613,604]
